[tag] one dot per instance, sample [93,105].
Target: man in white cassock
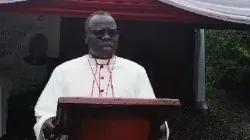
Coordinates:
[98,74]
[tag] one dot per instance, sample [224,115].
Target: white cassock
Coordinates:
[89,77]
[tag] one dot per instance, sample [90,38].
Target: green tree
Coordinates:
[227,59]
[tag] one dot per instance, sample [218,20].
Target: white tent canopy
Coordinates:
[237,11]
[10,1]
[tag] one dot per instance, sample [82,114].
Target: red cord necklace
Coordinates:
[95,80]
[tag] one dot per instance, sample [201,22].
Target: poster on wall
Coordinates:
[28,43]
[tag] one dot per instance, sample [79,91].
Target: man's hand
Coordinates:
[163,131]
[48,128]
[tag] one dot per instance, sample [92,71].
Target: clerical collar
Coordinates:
[95,61]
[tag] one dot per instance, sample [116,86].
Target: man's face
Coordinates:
[102,36]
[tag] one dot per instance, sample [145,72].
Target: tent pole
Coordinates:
[199,71]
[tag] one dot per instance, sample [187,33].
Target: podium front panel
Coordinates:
[114,129]
[111,119]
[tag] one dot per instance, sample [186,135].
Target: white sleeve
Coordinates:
[143,86]
[144,90]
[47,103]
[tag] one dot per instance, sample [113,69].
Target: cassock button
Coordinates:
[102,77]
[102,90]
[101,66]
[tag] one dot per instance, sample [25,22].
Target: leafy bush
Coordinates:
[227,59]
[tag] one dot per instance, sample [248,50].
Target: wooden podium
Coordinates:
[112,119]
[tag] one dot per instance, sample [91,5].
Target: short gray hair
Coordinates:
[95,13]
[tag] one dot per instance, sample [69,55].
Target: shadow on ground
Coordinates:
[193,125]
[227,119]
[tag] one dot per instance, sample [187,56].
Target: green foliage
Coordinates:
[227,59]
